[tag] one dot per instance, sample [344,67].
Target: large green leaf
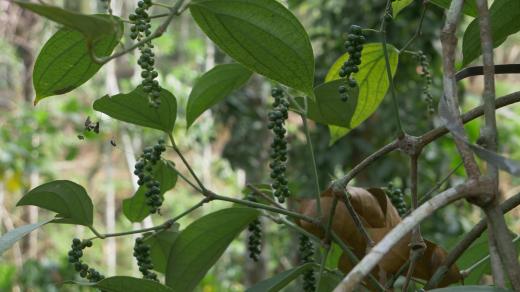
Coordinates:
[262,35]
[202,243]
[135,208]
[279,281]
[91,26]
[126,284]
[329,281]
[133,108]
[470,288]
[11,237]
[64,197]
[213,87]
[372,86]
[64,62]
[160,246]
[504,16]
[399,5]
[469,8]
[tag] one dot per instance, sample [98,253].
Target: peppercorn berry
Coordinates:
[306,251]
[427,79]
[141,29]
[142,255]
[254,240]
[144,171]
[83,269]
[278,165]
[397,198]
[354,47]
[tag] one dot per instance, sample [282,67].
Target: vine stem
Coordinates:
[327,241]
[174,11]
[395,101]
[176,149]
[314,167]
[418,31]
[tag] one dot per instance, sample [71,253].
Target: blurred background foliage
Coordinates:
[228,146]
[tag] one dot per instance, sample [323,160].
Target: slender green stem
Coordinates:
[400,131]
[468,271]
[418,31]
[161,5]
[176,149]
[261,206]
[322,267]
[300,230]
[98,235]
[317,190]
[187,180]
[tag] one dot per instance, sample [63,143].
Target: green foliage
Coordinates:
[126,284]
[133,108]
[469,8]
[11,237]
[280,280]
[399,5]
[504,15]
[135,208]
[68,199]
[160,245]
[64,62]
[213,87]
[92,27]
[200,245]
[262,35]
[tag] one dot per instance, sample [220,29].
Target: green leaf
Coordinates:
[135,208]
[399,5]
[11,237]
[91,26]
[279,281]
[133,108]
[160,246]
[126,284]
[262,35]
[213,87]
[329,281]
[504,15]
[468,288]
[64,62]
[469,8]
[363,101]
[64,197]
[336,133]
[202,243]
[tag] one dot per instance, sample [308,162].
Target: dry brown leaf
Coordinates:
[378,216]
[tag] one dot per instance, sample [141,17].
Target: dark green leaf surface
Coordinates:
[12,236]
[91,26]
[126,284]
[364,100]
[64,62]
[279,281]
[262,35]
[202,243]
[213,87]
[133,108]
[469,8]
[64,197]
[135,208]
[160,247]
[399,5]
[504,16]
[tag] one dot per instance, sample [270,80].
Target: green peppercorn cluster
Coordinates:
[354,47]
[142,255]
[427,77]
[278,162]
[75,255]
[140,30]
[397,198]
[144,171]
[254,240]
[306,250]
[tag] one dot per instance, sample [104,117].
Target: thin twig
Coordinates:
[317,189]
[418,31]
[357,221]
[188,166]
[263,195]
